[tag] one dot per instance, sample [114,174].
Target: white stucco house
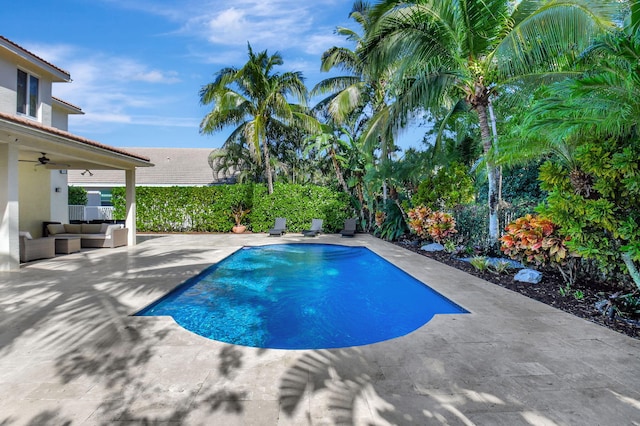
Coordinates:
[36,150]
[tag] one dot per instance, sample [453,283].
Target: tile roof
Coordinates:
[70,105]
[173,167]
[17,46]
[58,132]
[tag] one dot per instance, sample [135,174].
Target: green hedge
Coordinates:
[207,209]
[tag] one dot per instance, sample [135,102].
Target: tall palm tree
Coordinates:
[254,100]
[453,51]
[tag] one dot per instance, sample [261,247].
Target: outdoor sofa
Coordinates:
[92,235]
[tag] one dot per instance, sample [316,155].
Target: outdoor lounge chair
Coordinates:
[316,228]
[279,227]
[38,248]
[349,228]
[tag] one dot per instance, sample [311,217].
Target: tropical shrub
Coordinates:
[209,209]
[520,185]
[601,211]
[436,225]
[441,226]
[446,188]
[536,240]
[471,220]
[393,225]
[299,204]
[77,196]
[481,263]
[418,218]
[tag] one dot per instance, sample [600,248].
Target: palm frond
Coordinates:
[550,38]
[340,58]
[334,84]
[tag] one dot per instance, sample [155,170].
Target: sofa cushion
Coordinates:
[91,228]
[25,234]
[73,228]
[56,229]
[110,229]
[103,228]
[94,236]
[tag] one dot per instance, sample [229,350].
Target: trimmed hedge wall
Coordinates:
[207,209]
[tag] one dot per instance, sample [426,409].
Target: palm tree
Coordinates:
[329,142]
[453,51]
[254,100]
[360,92]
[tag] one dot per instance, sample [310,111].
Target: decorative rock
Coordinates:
[528,276]
[432,247]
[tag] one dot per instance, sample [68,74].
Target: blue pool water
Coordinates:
[302,296]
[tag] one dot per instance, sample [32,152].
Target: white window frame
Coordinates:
[27,105]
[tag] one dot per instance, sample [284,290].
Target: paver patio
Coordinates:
[70,353]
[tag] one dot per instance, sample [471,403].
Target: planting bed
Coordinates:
[547,291]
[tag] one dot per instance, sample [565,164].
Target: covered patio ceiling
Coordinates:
[62,149]
[24,141]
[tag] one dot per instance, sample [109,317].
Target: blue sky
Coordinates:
[138,65]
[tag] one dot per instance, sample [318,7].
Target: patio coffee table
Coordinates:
[66,245]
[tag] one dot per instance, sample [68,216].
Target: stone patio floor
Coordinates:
[72,354]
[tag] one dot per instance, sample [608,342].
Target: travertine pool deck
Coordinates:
[71,354]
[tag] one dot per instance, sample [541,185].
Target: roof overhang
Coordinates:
[26,57]
[67,150]
[65,106]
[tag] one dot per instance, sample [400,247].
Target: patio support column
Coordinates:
[9,212]
[130,178]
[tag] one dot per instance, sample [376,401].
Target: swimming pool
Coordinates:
[302,296]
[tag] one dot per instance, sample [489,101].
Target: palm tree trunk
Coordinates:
[493,173]
[336,166]
[494,133]
[267,166]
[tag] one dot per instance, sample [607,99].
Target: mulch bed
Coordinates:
[547,291]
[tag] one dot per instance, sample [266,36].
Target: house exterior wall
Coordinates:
[59,119]
[59,191]
[34,185]
[7,87]
[8,82]
[37,197]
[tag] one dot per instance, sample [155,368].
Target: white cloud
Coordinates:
[317,44]
[110,89]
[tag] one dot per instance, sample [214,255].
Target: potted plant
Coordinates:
[238,213]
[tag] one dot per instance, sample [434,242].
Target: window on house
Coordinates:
[28,88]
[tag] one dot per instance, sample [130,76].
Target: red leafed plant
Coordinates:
[535,240]
[418,218]
[436,225]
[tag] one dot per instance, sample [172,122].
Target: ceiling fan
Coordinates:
[44,161]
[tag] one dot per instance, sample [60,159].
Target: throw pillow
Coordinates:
[26,234]
[56,229]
